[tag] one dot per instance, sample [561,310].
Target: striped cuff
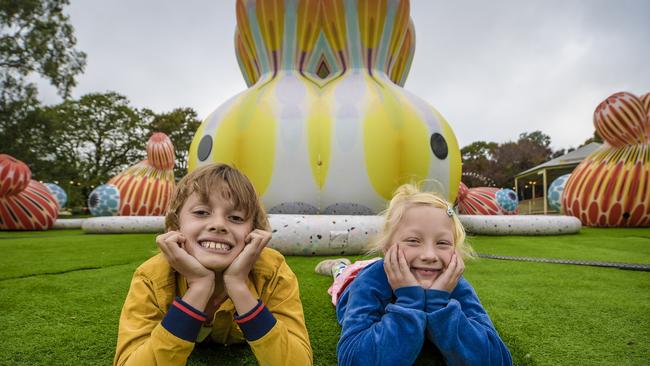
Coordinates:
[183,321]
[257,322]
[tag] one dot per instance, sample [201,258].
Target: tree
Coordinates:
[180,125]
[35,36]
[478,150]
[477,162]
[536,137]
[102,135]
[499,163]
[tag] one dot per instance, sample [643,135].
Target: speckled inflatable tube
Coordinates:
[124,224]
[343,234]
[520,225]
[68,223]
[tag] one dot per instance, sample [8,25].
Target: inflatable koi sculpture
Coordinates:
[141,190]
[611,187]
[25,204]
[487,201]
[325,126]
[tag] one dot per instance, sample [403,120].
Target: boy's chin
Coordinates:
[217,265]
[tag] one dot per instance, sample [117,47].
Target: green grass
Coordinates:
[62,291]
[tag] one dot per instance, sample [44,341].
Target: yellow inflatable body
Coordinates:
[325,126]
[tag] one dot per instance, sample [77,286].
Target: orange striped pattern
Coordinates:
[160,151]
[645,101]
[270,17]
[611,187]
[14,175]
[308,26]
[32,209]
[622,120]
[335,30]
[398,69]
[245,46]
[398,32]
[144,190]
[371,16]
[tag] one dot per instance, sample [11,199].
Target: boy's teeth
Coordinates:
[213,245]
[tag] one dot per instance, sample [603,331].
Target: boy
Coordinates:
[214,281]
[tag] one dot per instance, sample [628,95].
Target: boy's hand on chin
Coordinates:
[237,272]
[173,244]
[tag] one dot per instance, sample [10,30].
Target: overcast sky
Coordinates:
[494,69]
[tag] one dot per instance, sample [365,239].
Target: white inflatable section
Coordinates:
[343,234]
[68,223]
[124,224]
[520,224]
[323,234]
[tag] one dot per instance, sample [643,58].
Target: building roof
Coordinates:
[569,159]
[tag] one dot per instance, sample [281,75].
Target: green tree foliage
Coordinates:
[499,163]
[83,143]
[35,36]
[99,134]
[478,160]
[180,125]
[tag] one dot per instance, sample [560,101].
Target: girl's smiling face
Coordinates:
[215,230]
[425,235]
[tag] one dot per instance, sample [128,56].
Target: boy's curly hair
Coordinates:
[231,184]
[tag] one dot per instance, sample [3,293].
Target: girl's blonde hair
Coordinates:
[409,195]
[231,184]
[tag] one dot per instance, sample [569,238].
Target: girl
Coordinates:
[415,297]
[214,280]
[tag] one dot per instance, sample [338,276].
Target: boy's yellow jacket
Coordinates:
[142,340]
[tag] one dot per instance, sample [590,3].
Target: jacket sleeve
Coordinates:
[374,331]
[142,339]
[462,330]
[287,341]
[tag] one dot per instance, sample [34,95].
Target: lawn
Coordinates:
[61,293]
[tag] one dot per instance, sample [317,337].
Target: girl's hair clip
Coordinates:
[450,211]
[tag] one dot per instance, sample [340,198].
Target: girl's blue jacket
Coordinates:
[385,328]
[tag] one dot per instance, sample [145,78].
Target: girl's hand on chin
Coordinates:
[237,272]
[398,271]
[449,278]
[173,244]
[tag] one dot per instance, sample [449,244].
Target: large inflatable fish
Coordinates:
[325,126]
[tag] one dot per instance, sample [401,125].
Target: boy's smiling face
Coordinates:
[425,235]
[215,231]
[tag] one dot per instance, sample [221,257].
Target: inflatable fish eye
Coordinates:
[439,146]
[205,148]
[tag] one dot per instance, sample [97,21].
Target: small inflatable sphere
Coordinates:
[104,200]
[58,193]
[507,199]
[555,192]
